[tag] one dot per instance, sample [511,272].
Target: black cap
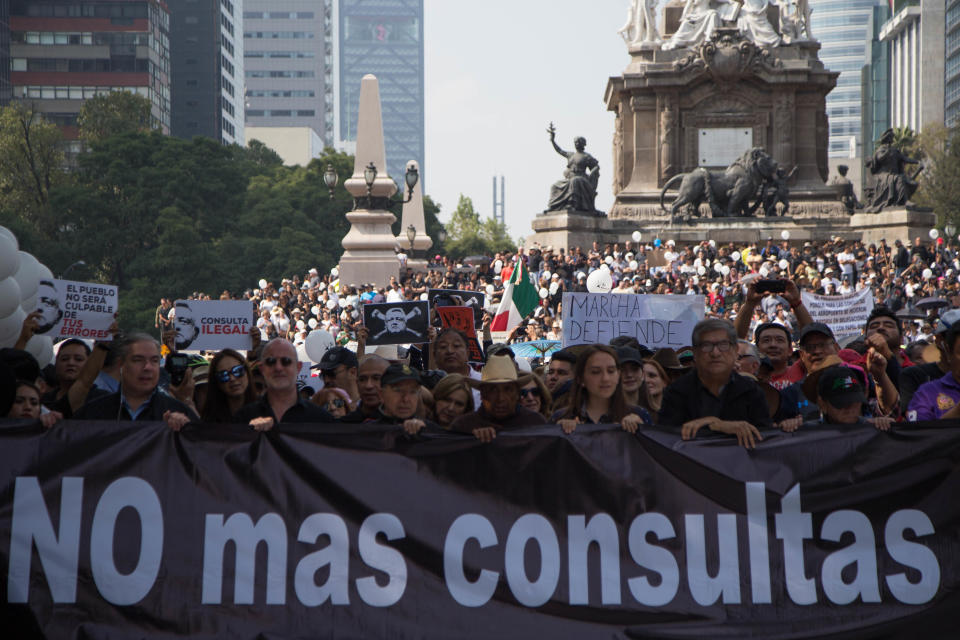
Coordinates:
[839,387]
[769,325]
[815,327]
[627,354]
[398,373]
[336,356]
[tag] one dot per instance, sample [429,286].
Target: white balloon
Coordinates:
[545,275]
[334,272]
[263,283]
[608,259]
[355,314]
[671,243]
[764,272]
[423,296]
[302,355]
[498,265]
[736,256]
[312,323]
[785,234]
[927,274]
[44,273]
[600,281]
[605,267]
[669,256]
[554,287]
[9,234]
[9,256]
[36,345]
[30,304]
[634,265]
[701,270]
[317,343]
[331,304]
[712,243]
[10,327]
[725,270]
[544,293]
[934,234]
[783,264]
[9,296]
[717,267]
[637,236]
[301,325]
[27,276]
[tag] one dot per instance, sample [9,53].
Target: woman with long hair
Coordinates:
[452,398]
[656,380]
[598,396]
[230,387]
[535,396]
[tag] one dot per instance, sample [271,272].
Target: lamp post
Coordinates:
[78,263]
[442,236]
[411,236]
[330,179]
[951,229]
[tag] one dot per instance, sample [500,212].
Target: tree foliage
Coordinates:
[113,113]
[939,149]
[468,235]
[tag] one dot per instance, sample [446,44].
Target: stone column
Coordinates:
[370,243]
[784,121]
[645,148]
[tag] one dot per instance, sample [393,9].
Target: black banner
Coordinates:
[122,530]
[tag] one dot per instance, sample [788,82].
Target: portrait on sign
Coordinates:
[396,322]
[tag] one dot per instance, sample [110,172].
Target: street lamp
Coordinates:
[330,179]
[950,229]
[78,263]
[411,236]
[442,235]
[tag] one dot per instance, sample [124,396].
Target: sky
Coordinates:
[497,72]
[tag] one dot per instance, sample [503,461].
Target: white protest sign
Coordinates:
[305,376]
[72,309]
[843,314]
[213,324]
[654,320]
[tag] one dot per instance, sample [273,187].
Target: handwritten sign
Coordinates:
[843,314]
[72,309]
[654,320]
[213,324]
[474,300]
[461,318]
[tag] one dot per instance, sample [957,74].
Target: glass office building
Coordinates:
[952,64]
[841,26]
[385,38]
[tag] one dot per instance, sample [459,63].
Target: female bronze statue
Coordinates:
[578,189]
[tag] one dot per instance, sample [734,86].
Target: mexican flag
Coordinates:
[519,300]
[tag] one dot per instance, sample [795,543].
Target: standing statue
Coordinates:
[641,25]
[578,189]
[753,24]
[795,20]
[892,186]
[699,21]
[844,189]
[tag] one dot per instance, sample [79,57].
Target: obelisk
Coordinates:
[413,216]
[370,243]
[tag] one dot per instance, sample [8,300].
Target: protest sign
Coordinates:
[843,314]
[396,322]
[305,377]
[70,309]
[475,300]
[213,324]
[461,318]
[654,320]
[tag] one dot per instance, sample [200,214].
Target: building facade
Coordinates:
[951,89]
[841,26]
[875,83]
[916,38]
[65,51]
[206,45]
[385,38]
[288,65]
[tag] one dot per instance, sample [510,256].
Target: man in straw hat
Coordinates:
[500,408]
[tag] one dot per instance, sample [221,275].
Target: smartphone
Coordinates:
[773,286]
[176,366]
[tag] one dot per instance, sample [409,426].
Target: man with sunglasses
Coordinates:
[280,403]
[338,367]
[712,394]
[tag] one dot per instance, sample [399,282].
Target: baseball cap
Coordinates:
[947,320]
[398,373]
[839,387]
[628,354]
[336,356]
[815,327]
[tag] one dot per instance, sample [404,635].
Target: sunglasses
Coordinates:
[336,403]
[237,372]
[525,392]
[285,361]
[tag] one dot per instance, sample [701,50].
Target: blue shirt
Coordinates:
[134,414]
[933,399]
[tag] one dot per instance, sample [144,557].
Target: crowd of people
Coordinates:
[756,362]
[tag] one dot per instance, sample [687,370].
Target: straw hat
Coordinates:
[499,370]
[667,358]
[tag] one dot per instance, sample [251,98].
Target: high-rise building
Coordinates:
[206,58]
[875,98]
[6,88]
[65,51]
[841,28]
[916,37]
[385,38]
[288,64]
[952,63]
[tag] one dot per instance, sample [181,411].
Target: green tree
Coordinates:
[114,113]
[468,235]
[31,166]
[939,148]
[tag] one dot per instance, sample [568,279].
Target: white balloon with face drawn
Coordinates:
[600,281]
[317,344]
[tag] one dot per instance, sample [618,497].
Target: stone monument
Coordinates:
[412,216]
[369,245]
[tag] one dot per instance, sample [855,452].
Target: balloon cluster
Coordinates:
[20,276]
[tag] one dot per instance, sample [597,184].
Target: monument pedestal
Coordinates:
[370,244]
[904,223]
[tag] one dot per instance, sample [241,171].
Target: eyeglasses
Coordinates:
[285,361]
[706,347]
[525,392]
[237,372]
[336,403]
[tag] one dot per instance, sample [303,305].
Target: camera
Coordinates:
[176,365]
[773,286]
